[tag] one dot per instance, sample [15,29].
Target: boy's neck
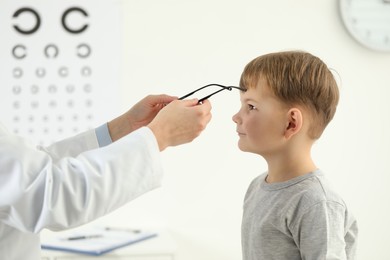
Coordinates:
[284,169]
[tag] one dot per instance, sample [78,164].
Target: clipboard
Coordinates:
[95,241]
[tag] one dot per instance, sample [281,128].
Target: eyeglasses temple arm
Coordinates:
[208,96]
[241,89]
[213,84]
[222,88]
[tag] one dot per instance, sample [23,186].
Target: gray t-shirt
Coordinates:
[298,219]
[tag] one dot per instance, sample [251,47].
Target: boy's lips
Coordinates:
[240,133]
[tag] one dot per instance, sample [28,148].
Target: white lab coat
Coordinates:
[68,184]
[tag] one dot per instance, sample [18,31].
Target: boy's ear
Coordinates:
[294,122]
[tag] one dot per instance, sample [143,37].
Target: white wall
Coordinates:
[175,46]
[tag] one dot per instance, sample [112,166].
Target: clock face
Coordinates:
[368,21]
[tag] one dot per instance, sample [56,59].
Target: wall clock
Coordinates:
[368,22]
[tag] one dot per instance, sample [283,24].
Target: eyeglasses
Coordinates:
[212,94]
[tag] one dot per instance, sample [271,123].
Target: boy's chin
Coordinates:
[242,147]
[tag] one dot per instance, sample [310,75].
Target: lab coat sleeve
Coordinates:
[72,182]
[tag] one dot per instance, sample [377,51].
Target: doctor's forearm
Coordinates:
[101,180]
[70,182]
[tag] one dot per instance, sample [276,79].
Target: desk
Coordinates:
[161,247]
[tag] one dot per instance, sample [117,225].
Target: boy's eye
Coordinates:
[251,107]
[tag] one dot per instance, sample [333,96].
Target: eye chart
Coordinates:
[59,66]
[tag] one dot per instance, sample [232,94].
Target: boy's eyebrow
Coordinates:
[248,99]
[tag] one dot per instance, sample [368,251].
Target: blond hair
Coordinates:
[297,78]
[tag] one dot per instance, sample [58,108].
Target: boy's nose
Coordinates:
[235,118]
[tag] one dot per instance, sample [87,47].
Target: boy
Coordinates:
[290,212]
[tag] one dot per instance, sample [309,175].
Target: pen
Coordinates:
[123,229]
[84,237]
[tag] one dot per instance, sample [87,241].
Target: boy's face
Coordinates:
[261,121]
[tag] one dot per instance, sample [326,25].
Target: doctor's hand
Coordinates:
[181,121]
[141,114]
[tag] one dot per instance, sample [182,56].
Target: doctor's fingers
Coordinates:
[200,116]
[159,100]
